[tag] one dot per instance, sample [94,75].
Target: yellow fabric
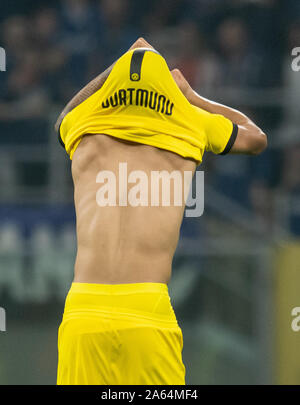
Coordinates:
[182,128]
[124,334]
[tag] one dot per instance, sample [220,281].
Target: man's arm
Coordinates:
[83,94]
[250,138]
[94,85]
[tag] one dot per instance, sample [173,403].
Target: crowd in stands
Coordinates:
[225,48]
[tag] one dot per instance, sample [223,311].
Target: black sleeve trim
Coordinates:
[59,137]
[231,140]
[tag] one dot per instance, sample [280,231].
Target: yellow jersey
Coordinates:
[141,102]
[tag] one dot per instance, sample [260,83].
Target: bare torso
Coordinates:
[123,244]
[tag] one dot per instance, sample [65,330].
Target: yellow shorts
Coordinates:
[119,334]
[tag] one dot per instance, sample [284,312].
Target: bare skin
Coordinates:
[125,244]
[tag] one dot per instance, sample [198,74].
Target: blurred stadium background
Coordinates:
[237,268]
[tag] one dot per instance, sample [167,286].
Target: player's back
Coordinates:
[140,122]
[123,236]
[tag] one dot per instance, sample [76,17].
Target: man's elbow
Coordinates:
[58,122]
[56,126]
[260,142]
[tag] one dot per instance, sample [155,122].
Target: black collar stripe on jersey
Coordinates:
[136,63]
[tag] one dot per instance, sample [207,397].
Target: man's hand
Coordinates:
[140,43]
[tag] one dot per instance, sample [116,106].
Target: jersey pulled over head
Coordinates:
[141,102]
